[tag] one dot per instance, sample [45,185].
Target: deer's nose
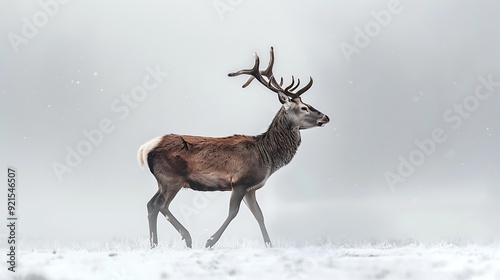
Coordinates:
[324,120]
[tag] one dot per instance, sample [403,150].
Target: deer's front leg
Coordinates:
[251,201]
[234,205]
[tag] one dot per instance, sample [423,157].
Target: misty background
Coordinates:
[74,71]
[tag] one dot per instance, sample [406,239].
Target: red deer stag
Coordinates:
[240,164]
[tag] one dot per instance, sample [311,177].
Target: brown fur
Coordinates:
[207,163]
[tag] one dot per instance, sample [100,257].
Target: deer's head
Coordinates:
[300,114]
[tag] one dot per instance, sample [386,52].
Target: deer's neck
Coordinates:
[279,143]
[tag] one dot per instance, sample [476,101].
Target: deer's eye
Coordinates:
[304,108]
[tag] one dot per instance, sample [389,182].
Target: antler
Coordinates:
[271,82]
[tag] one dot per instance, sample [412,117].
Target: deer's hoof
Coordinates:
[210,243]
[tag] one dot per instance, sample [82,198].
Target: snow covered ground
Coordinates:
[250,260]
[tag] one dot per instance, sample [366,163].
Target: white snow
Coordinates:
[244,260]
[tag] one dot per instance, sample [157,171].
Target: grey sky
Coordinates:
[74,71]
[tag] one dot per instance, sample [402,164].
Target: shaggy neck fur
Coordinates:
[280,142]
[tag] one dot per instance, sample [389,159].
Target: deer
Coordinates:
[239,163]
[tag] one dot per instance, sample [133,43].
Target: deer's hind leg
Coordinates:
[154,206]
[169,189]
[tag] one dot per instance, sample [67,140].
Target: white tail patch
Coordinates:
[142,154]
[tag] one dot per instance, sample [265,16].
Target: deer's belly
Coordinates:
[209,185]
[224,182]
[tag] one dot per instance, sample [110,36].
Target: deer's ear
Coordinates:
[285,100]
